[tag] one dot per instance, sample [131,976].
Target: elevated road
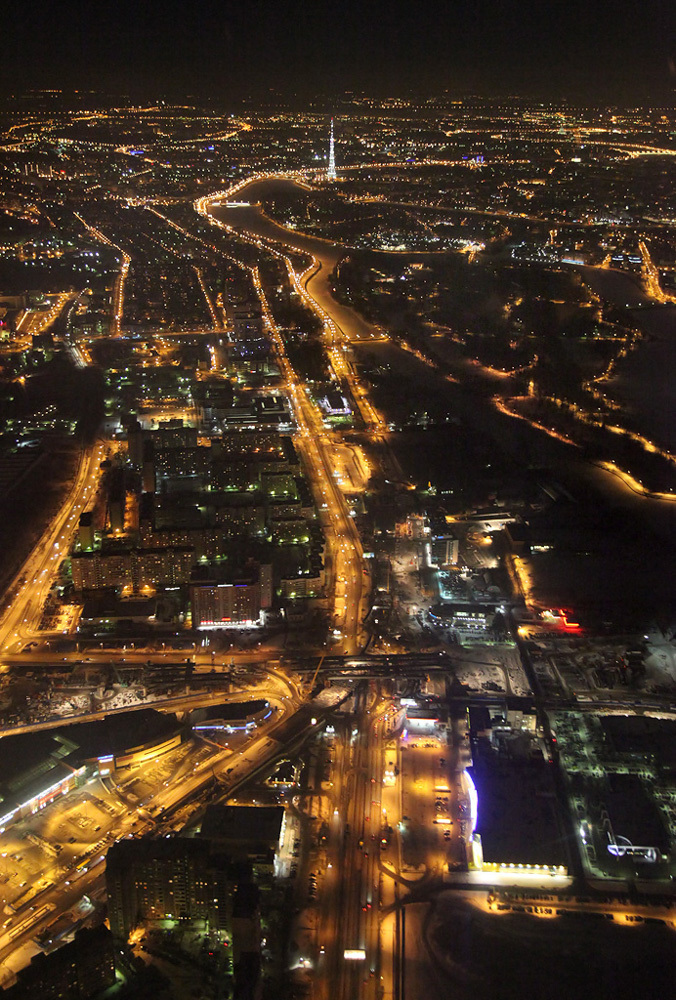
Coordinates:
[227,771]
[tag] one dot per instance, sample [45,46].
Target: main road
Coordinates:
[34,580]
[344,541]
[350,908]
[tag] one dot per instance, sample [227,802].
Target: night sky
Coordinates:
[222,49]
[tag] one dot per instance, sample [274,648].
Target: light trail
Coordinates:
[345,543]
[651,277]
[118,291]
[209,301]
[21,619]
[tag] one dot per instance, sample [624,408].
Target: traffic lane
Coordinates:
[311,427]
[356,872]
[360,923]
[41,565]
[374,873]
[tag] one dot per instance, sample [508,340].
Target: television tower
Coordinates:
[331,172]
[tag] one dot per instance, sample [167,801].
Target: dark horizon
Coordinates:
[222,50]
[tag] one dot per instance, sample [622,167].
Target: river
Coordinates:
[642,382]
[624,550]
[251,220]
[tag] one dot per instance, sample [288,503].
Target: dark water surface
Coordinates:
[643,381]
[615,550]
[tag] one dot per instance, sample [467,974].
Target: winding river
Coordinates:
[627,559]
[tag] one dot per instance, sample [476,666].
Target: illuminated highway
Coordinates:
[345,544]
[35,578]
[344,953]
[36,321]
[651,276]
[117,309]
[246,221]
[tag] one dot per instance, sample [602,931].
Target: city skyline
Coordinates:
[337,495]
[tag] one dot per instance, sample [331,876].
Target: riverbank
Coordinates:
[615,549]
[251,221]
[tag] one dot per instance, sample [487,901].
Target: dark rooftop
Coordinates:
[234,711]
[641,736]
[254,825]
[633,815]
[123,732]
[518,814]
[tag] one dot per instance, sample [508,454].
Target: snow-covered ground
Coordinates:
[476,666]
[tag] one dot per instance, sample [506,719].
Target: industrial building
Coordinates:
[37,768]
[231,717]
[463,617]
[518,816]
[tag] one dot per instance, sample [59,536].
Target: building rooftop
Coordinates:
[123,732]
[108,606]
[234,711]
[246,901]
[252,825]
[30,763]
[638,735]
[518,814]
[632,813]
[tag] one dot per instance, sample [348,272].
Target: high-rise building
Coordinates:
[221,603]
[160,566]
[331,172]
[265,580]
[148,468]
[254,834]
[246,940]
[135,441]
[85,530]
[78,971]
[167,878]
